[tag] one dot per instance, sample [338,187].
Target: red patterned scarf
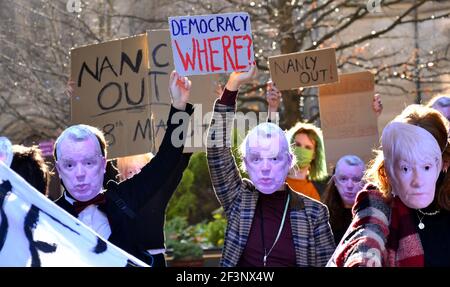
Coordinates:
[403,245]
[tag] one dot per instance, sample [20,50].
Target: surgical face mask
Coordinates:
[304,156]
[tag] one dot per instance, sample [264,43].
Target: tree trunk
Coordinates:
[291,100]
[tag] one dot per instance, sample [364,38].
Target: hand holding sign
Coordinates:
[377,106]
[273,97]
[179,90]
[239,78]
[70,87]
[304,69]
[218,90]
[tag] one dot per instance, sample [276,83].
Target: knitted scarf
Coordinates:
[403,245]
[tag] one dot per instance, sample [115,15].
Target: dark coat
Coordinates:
[136,207]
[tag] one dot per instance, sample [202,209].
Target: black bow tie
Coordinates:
[79,206]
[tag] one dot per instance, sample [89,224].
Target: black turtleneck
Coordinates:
[435,237]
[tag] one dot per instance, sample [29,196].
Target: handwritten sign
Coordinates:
[304,69]
[348,122]
[161,63]
[112,93]
[206,44]
[38,233]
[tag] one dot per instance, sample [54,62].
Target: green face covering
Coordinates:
[304,156]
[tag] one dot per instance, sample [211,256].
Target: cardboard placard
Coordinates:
[202,90]
[304,69]
[206,44]
[348,121]
[112,93]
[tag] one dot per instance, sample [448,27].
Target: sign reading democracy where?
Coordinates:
[207,44]
[304,69]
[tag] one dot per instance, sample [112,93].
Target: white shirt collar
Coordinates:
[68,198]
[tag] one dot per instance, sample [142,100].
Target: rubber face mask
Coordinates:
[304,156]
[416,182]
[81,167]
[268,163]
[268,173]
[348,181]
[6,153]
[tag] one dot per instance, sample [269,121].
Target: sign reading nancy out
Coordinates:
[207,44]
[304,69]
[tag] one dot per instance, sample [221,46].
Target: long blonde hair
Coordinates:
[123,163]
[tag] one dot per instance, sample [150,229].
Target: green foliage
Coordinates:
[235,146]
[188,241]
[182,239]
[186,250]
[194,197]
[202,187]
[215,230]
[184,201]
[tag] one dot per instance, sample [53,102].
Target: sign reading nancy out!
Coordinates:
[207,44]
[304,69]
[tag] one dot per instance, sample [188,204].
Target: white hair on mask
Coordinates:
[401,141]
[6,152]
[261,135]
[443,101]
[78,133]
[351,160]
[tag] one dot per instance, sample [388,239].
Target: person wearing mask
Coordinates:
[268,224]
[340,193]
[401,218]
[80,155]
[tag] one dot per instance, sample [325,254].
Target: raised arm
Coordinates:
[273,97]
[156,173]
[225,175]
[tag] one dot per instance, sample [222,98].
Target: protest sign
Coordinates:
[348,122]
[304,69]
[205,44]
[112,93]
[202,93]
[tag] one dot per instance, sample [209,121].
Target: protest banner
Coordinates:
[217,43]
[304,69]
[112,93]
[202,93]
[35,232]
[348,122]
